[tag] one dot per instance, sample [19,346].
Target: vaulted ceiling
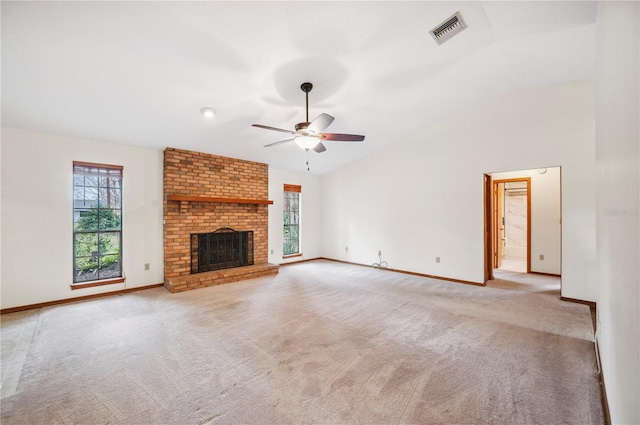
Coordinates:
[138,73]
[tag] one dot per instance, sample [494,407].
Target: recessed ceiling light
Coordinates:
[208,112]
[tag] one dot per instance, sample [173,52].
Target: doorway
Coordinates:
[511,217]
[534,247]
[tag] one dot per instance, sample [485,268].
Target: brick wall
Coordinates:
[200,174]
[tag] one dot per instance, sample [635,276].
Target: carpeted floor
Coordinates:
[322,342]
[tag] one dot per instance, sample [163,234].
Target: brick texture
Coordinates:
[218,277]
[200,174]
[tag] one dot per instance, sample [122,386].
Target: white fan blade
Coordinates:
[266,127]
[321,122]
[279,143]
[320,148]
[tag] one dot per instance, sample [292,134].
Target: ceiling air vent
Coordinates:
[448,28]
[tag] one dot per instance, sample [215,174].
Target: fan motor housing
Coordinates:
[302,126]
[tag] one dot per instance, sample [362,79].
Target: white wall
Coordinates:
[310,214]
[618,205]
[37,195]
[424,198]
[0,220]
[545,217]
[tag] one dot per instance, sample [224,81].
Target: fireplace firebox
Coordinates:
[223,249]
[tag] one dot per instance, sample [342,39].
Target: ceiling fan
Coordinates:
[309,135]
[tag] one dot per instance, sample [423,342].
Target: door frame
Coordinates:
[488,228]
[499,226]
[493,228]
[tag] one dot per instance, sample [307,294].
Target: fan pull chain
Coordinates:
[307,159]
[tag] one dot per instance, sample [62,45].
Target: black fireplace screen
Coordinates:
[223,249]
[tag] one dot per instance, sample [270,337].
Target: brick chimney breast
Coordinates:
[228,192]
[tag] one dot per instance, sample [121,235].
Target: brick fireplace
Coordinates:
[202,194]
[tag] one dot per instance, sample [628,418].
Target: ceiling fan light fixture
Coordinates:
[310,134]
[306,142]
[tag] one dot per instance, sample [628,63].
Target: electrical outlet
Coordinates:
[437,259]
[346,249]
[542,256]
[272,251]
[379,253]
[147,266]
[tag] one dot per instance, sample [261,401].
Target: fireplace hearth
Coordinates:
[223,249]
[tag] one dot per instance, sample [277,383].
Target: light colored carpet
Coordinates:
[322,342]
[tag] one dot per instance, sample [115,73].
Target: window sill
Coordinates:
[92,283]
[292,255]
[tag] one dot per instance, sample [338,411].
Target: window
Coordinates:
[291,234]
[97,222]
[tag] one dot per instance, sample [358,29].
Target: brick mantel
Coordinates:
[203,193]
